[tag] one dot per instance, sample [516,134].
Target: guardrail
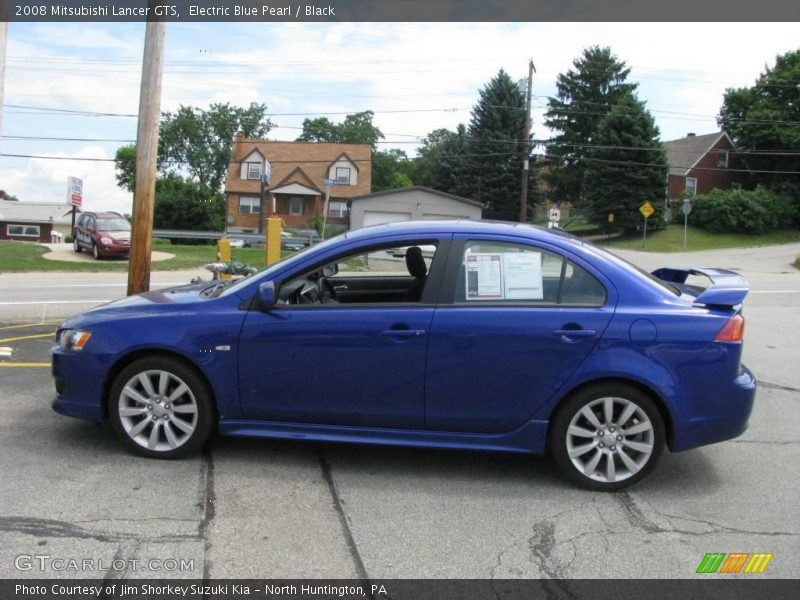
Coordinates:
[250,238]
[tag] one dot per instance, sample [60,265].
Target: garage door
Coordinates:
[376,217]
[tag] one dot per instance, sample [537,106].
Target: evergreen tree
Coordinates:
[585,95]
[441,163]
[626,167]
[493,166]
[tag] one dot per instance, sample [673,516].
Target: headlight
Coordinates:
[106,241]
[73,339]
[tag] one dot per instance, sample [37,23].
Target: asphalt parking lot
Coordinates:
[253,508]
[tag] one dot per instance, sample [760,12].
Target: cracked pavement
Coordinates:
[268,509]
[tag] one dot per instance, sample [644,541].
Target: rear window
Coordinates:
[632,267]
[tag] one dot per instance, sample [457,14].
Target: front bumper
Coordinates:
[79,387]
[739,397]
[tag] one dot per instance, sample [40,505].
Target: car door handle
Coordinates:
[340,287]
[575,333]
[403,332]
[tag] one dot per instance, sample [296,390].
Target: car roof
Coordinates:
[103,215]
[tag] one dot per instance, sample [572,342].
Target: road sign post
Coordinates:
[647,211]
[328,183]
[686,208]
[74,197]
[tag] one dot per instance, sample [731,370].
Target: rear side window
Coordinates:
[492,272]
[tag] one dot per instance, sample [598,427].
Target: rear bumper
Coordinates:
[709,429]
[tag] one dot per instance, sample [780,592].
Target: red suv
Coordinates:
[102,233]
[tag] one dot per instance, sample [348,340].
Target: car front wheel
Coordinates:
[607,436]
[161,408]
[96,252]
[76,246]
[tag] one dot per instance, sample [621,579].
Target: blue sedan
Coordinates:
[465,335]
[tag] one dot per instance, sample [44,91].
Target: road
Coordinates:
[253,508]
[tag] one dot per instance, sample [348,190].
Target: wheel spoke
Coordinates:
[144,379]
[629,462]
[153,441]
[581,450]
[172,440]
[580,431]
[131,411]
[626,414]
[590,466]
[608,410]
[611,468]
[163,381]
[638,446]
[590,416]
[139,427]
[638,428]
[186,409]
[134,395]
[182,425]
[179,391]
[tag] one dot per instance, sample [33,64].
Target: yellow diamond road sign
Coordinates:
[647,210]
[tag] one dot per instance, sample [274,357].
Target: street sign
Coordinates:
[327,181]
[610,217]
[267,172]
[555,214]
[687,206]
[74,191]
[647,210]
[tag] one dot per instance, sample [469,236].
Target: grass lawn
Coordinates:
[21,256]
[671,240]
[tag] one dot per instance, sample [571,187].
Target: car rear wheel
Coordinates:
[76,246]
[161,408]
[607,436]
[96,252]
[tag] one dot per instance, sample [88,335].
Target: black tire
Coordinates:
[627,452]
[202,420]
[96,253]
[76,246]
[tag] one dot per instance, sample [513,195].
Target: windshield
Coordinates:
[118,224]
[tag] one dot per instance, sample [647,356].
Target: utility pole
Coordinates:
[146,155]
[523,201]
[3,47]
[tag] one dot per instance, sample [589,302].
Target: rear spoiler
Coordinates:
[727,288]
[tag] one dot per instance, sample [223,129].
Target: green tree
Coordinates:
[627,166]
[198,142]
[184,204]
[492,167]
[584,96]
[391,169]
[355,129]
[763,122]
[441,160]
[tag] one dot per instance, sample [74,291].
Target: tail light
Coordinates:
[733,331]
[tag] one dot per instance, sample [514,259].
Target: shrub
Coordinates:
[68,239]
[740,211]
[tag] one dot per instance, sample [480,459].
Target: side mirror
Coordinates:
[266,295]
[330,270]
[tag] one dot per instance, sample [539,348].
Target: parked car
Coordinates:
[103,234]
[507,338]
[292,243]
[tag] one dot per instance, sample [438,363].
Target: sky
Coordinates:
[415,77]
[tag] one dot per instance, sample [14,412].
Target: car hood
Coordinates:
[117,233]
[152,302]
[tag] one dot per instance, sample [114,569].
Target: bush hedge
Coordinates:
[741,211]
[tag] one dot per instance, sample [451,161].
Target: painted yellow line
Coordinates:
[29,337]
[29,325]
[2,364]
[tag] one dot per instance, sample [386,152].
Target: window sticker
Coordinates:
[522,274]
[484,276]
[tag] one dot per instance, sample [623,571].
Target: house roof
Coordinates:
[685,153]
[345,157]
[35,212]
[297,175]
[419,188]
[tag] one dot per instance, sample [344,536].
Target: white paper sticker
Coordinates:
[484,276]
[522,274]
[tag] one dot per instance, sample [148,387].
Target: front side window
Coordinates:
[343,175]
[522,274]
[23,230]
[249,205]
[691,185]
[253,170]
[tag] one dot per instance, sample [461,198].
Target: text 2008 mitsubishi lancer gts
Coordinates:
[470,335]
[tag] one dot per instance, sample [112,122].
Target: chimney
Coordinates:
[691,134]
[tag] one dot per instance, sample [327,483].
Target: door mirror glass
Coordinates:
[266,295]
[330,270]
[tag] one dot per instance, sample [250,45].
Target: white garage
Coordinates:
[410,204]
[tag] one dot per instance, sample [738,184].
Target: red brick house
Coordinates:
[700,163]
[296,188]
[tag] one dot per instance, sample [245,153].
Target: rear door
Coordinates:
[515,321]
